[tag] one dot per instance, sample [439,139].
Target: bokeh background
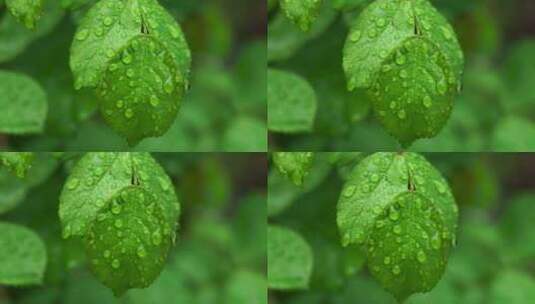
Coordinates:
[223,111]
[493,262]
[494,112]
[220,255]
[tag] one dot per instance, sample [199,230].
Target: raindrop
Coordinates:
[156,238]
[118,223]
[154,101]
[427,102]
[116,264]
[107,254]
[128,113]
[141,252]
[421,257]
[397,229]
[82,35]
[355,36]
[402,114]
[435,242]
[350,190]
[396,270]
[386,260]
[108,21]
[73,183]
[394,214]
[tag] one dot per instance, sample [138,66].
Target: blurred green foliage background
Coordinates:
[223,111]
[493,262]
[220,255]
[494,112]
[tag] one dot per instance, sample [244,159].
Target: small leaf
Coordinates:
[407,55]
[26,11]
[23,103]
[400,210]
[290,259]
[17,162]
[301,12]
[291,103]
[294,165]
[22,256]
[124,207]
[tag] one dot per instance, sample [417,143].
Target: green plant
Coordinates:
[124,208]
[115,74]
[395,211]
[118,219]
[403,56]
[399,209]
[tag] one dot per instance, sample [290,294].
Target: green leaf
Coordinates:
[133,100]
[408,57]
[294,165]
[301,12]
[400,210]
[22,256]
[124,207]
[512,287]
[26,11]
[17,162]
[141,73]
[291,103]
[114,24]
[290,259]
[23,102]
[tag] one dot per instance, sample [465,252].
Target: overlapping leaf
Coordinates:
[125,208]
[400,209]
[141,72]
[407,55]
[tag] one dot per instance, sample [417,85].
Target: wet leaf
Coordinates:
[294,165]
[301,12]
[17,162]
[143,70]
[124,207]
[27,12]
[400,209]
[390,45]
